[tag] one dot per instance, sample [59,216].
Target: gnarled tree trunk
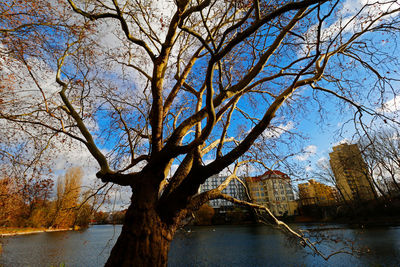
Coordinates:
[145,238]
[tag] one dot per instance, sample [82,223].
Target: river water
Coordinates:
[211,246]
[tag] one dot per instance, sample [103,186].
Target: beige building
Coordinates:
[273,189]
[351,173]
[315,193]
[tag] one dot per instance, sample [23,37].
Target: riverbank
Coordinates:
[27,231]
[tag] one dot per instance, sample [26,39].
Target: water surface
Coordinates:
[208,246]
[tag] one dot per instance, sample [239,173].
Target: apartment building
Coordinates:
[315,193]
[351,173]
[273,189]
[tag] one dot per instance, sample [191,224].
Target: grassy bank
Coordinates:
[9,231]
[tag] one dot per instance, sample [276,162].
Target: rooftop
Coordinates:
[271,174]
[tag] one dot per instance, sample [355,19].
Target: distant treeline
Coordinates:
[114,217]
[35,203]
[381,210]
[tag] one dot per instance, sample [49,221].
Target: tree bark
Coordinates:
[144,240]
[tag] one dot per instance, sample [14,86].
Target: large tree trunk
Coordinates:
[144,240]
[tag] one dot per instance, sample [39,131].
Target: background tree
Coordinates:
[36,205]
[11,204]
[24,203]
[381,150]
[204,215]
[84,215]
[192,85]
[67,199]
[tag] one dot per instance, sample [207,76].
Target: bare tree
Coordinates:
[381,150]
[193,85]
[325,173]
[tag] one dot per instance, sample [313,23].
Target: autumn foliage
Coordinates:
[34,204]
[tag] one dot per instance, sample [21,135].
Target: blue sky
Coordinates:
[319,135]
[322,135]
[336,128]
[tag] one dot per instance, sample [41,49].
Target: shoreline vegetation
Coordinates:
[13,231]
[37,207]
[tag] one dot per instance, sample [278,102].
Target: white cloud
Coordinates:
[350,7]
[307,153]
[343,141]
[277,131]
[391,106]
[321,160]
[311,149]
[353,17]
[118,198]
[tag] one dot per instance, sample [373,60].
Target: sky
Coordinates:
[338,129]
[320,136]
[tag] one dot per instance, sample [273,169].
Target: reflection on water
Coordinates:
[206,246]
[73,248]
